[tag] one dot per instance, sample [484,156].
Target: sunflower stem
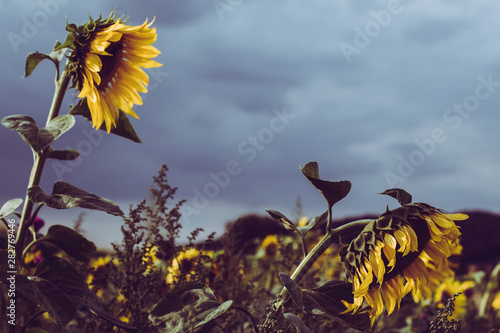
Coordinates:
[39,160]
[331,237]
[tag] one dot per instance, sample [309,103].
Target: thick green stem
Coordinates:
[39,162]
[330,238]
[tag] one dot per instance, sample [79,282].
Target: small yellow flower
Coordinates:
[184,260]
[108,58]
[270,246]
[405,250]
[450,287]
[303,221]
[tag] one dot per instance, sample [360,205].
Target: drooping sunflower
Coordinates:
[405,250]
[107,61]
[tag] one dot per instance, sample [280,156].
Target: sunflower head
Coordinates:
[404,250]
[106,60]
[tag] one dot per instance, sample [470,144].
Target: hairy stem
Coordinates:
[39,161]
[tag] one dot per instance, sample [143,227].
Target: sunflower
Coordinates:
[405,250]
[107,61]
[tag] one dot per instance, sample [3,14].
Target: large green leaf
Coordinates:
[56,286]
[65,196]
[326,300]
[187,308]
[38,138]
[332,191]
[400,195]
[123,127]
[9,207]
[97,306]
[70,242]
[33,59]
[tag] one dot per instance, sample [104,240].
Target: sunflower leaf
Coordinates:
[70,242]
[283,220]
[56,286]
[293,289]
[187,308]
[63,155]
[38,138]
[313,223]
[332,191]
[65,196]
[123,125]
[400,195]
[297,322]
[33,59]
[9,207]
[326,300]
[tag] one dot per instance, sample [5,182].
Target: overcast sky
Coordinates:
[383,93]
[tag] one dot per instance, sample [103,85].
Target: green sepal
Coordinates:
[39,138]
[33,59]
[69,43]
[70,242]
[187,308]
[9,207]
[65,196]
[332,191]
[63,155]
[123,126]
[400,195]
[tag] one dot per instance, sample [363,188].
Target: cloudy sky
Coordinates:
[383,93]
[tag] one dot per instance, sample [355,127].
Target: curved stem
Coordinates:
[252,319]
[39,160]
[330,238]
[31,319]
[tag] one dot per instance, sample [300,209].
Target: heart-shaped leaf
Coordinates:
[9,207]
[33,59]
[332,191]
[400,195]
[70,242]
[65,196]
[39,138]
[123,127]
